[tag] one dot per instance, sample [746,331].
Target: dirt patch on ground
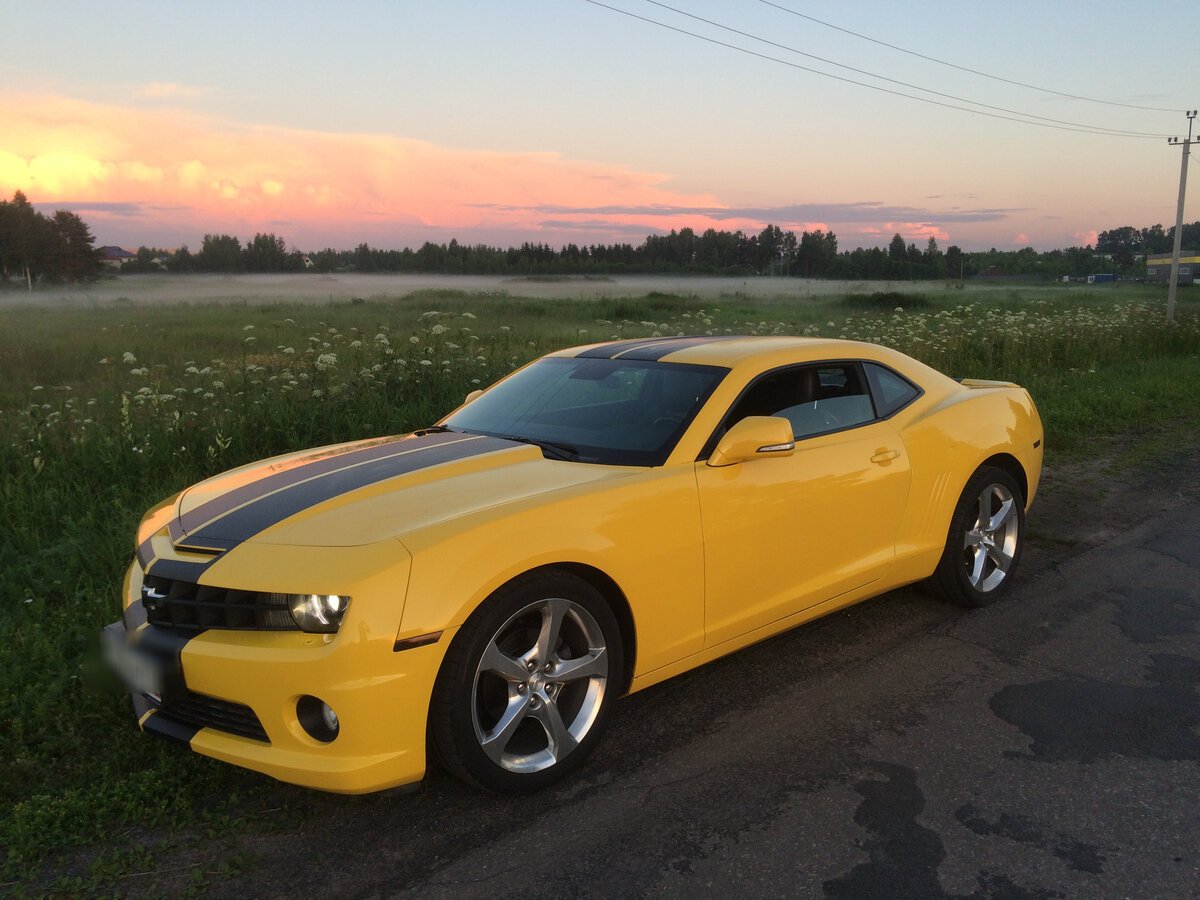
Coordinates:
[1083,502]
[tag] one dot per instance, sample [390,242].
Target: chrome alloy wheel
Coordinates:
[990,545]
[539,685]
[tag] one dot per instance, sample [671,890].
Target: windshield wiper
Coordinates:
[554,448]
[435,429]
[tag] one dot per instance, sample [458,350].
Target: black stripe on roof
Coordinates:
[608,351]
[650,349]
[256,516]
[659,349]
[320,464]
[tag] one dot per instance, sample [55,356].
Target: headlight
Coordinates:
[321,613]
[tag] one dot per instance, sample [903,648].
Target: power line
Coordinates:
[915,87]
[934,59]
[793,65]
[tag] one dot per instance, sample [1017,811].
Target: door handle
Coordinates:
[883,456]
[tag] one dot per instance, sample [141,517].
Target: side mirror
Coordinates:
[754,437]
[471,396]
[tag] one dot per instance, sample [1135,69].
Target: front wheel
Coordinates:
[526,687]
[984,544]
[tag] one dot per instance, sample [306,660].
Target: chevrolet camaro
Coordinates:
[600,520]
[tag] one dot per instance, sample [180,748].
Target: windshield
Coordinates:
[609,411]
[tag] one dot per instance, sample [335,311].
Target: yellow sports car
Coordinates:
[600,520]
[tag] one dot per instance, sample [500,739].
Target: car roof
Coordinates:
[721,350]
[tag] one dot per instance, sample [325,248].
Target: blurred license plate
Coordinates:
[138,670]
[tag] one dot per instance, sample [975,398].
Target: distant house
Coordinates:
[114,257]
[1158,266]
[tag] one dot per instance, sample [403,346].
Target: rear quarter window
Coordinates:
[890,390]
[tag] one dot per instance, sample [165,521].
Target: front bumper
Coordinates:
[232,695]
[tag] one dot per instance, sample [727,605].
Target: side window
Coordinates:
[815,399]
[891,390]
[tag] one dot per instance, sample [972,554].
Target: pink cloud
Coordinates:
[1020,240]
[148,170]
[911,231]
[1086,238]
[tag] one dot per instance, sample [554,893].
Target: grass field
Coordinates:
[106,408]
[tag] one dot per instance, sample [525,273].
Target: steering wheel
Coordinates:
[667,419]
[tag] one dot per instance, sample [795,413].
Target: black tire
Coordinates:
[495,674]
[978,563]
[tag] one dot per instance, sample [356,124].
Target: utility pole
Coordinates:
[1186,145]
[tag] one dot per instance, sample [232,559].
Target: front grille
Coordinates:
[183,604]
[202,711]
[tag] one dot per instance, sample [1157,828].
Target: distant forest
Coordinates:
[61,248]
[34,247]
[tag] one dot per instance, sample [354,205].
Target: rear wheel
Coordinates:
[526,687]
[984,544]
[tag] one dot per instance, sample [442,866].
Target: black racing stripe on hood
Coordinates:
[179,570]
[320,465]
[145,553]
[259,515]
[656,351]
[175,569]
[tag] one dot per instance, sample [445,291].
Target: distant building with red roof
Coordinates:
[114,257]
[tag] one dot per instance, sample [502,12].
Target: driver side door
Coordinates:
[783,534]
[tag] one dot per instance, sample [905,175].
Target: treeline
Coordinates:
[773,251]
[35,247]
[59,248]
[1126,243]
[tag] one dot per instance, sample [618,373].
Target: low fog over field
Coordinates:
[292,288]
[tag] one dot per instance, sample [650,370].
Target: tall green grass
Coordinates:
[105,411]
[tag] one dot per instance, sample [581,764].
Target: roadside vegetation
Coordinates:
[105,410]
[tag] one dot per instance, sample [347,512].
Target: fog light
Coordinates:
[329,717]
[317,718]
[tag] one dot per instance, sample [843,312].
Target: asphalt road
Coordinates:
[1046,746]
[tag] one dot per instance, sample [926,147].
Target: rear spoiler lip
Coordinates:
[984,383]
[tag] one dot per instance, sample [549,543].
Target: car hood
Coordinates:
[362,492]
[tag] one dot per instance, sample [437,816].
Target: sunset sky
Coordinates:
[560,120]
